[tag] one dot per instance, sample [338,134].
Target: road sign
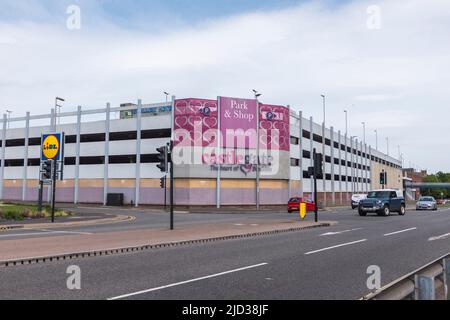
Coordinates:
[302,210]
[52,146]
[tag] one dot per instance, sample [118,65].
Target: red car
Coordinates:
[294,204]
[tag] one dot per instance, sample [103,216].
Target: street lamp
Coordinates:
[346,122]
[376,139]
[364,132]
[257,95]
[9,116]
[387,145]
[323,98]
[167,95]
[58,108]
[352,171]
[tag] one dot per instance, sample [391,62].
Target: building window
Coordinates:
[295,140]
[121,136]
[306,134]
[306,154]
[295,162]
[156,134]
[15,143]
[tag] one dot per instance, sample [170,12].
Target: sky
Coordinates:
[386,62]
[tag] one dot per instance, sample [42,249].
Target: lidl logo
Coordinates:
[51,147]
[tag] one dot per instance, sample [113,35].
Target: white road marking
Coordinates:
[68,232]
[444,236]
[44,233]
[187,281]
[337,246]
[338,232]
[397,232]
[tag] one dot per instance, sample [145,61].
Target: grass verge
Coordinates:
[19,212]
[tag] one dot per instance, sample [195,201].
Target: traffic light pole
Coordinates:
[55,169]
[165,192]
[171,186]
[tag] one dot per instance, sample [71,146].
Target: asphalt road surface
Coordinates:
[324,263]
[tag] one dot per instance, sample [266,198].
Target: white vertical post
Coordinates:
[366,171]
[2,171]
[340,167]
[25,157]
[371,169]
[77,158]
[346,166]
[324,178]
[106,165]
[356,160]
[333,191]
[300,148]
[138,152]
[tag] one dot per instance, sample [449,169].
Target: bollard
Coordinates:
[424,288]
[302,210]
[446,272]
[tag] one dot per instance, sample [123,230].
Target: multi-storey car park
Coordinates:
[113,150]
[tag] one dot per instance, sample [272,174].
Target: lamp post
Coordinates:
[257,95]
[167,95]
[9,116]
[364,132]
[352,171]
[387,145]
[346,122]
[58,108]
[376,139]
[324,108]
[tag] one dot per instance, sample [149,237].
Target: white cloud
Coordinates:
[396,77]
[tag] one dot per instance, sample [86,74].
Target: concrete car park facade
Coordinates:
[113,150]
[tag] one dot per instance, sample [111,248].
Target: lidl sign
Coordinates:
[51,146]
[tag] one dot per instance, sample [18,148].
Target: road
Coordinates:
[324,263]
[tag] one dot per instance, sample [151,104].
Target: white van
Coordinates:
[356,198]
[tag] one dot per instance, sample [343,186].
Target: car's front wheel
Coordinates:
[402,211]
[362,213]
[386,211]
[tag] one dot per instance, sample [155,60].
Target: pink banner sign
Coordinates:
[274,127]
[195,122]
[238,122]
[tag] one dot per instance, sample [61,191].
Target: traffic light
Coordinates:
[383,178]
[47,170]
[163,159]
[318,164]
[162,182]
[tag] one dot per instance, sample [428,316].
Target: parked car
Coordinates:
[440,202]
[294,204]
[426,203]
[356,198]
[383,202]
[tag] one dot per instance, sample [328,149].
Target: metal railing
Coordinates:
[430,282]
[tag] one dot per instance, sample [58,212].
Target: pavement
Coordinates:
[318,263]
[70,242]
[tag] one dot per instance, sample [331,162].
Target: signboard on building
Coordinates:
[200,124]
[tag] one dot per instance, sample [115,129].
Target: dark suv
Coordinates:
[383,202]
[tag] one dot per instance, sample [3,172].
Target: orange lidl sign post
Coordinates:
[52,146]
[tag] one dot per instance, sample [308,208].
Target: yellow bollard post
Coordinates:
[302,210]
